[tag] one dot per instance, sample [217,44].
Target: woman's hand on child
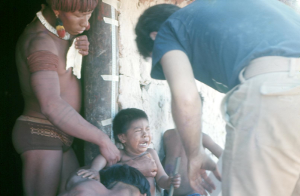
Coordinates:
[109,151]
[175,181]
[89,173]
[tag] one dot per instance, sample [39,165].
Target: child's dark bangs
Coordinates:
[74,5]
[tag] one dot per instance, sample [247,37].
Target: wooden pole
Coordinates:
[98,80]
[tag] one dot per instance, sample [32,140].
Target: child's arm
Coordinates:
[211,145]
[162,179]
[93,173]
[98,163]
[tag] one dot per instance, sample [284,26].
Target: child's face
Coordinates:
[137,138]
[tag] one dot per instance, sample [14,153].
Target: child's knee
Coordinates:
[169,133]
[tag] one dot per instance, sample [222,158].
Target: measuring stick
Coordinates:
[177,164]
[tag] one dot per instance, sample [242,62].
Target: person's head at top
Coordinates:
[131,129]
[73,14]
[148,25]
[120,177]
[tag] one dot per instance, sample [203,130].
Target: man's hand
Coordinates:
[110,152]
[198,178]
[82,43]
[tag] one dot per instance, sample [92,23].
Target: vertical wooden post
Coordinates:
[100,92]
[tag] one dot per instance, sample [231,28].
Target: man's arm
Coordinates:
[186,104]
[46,87]
[186,111]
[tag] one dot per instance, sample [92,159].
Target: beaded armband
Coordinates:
[42,61]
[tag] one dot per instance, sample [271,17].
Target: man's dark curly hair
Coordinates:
[126,174]
[150,21]
[124,118]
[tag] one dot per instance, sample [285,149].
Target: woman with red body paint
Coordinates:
[52,94]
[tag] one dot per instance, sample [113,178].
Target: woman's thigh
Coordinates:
[41,172]
[69,166]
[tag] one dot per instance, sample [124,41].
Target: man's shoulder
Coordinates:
[31,42]
[42,41]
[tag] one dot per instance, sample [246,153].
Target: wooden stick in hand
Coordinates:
[177,164]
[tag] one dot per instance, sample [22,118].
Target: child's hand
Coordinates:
[89,173]
[175,180]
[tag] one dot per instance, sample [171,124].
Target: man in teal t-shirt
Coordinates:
[248,49]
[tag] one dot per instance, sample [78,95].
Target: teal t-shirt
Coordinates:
[220,37]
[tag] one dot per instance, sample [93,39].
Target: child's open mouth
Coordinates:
[144,144]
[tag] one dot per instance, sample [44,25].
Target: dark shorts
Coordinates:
[31,133]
